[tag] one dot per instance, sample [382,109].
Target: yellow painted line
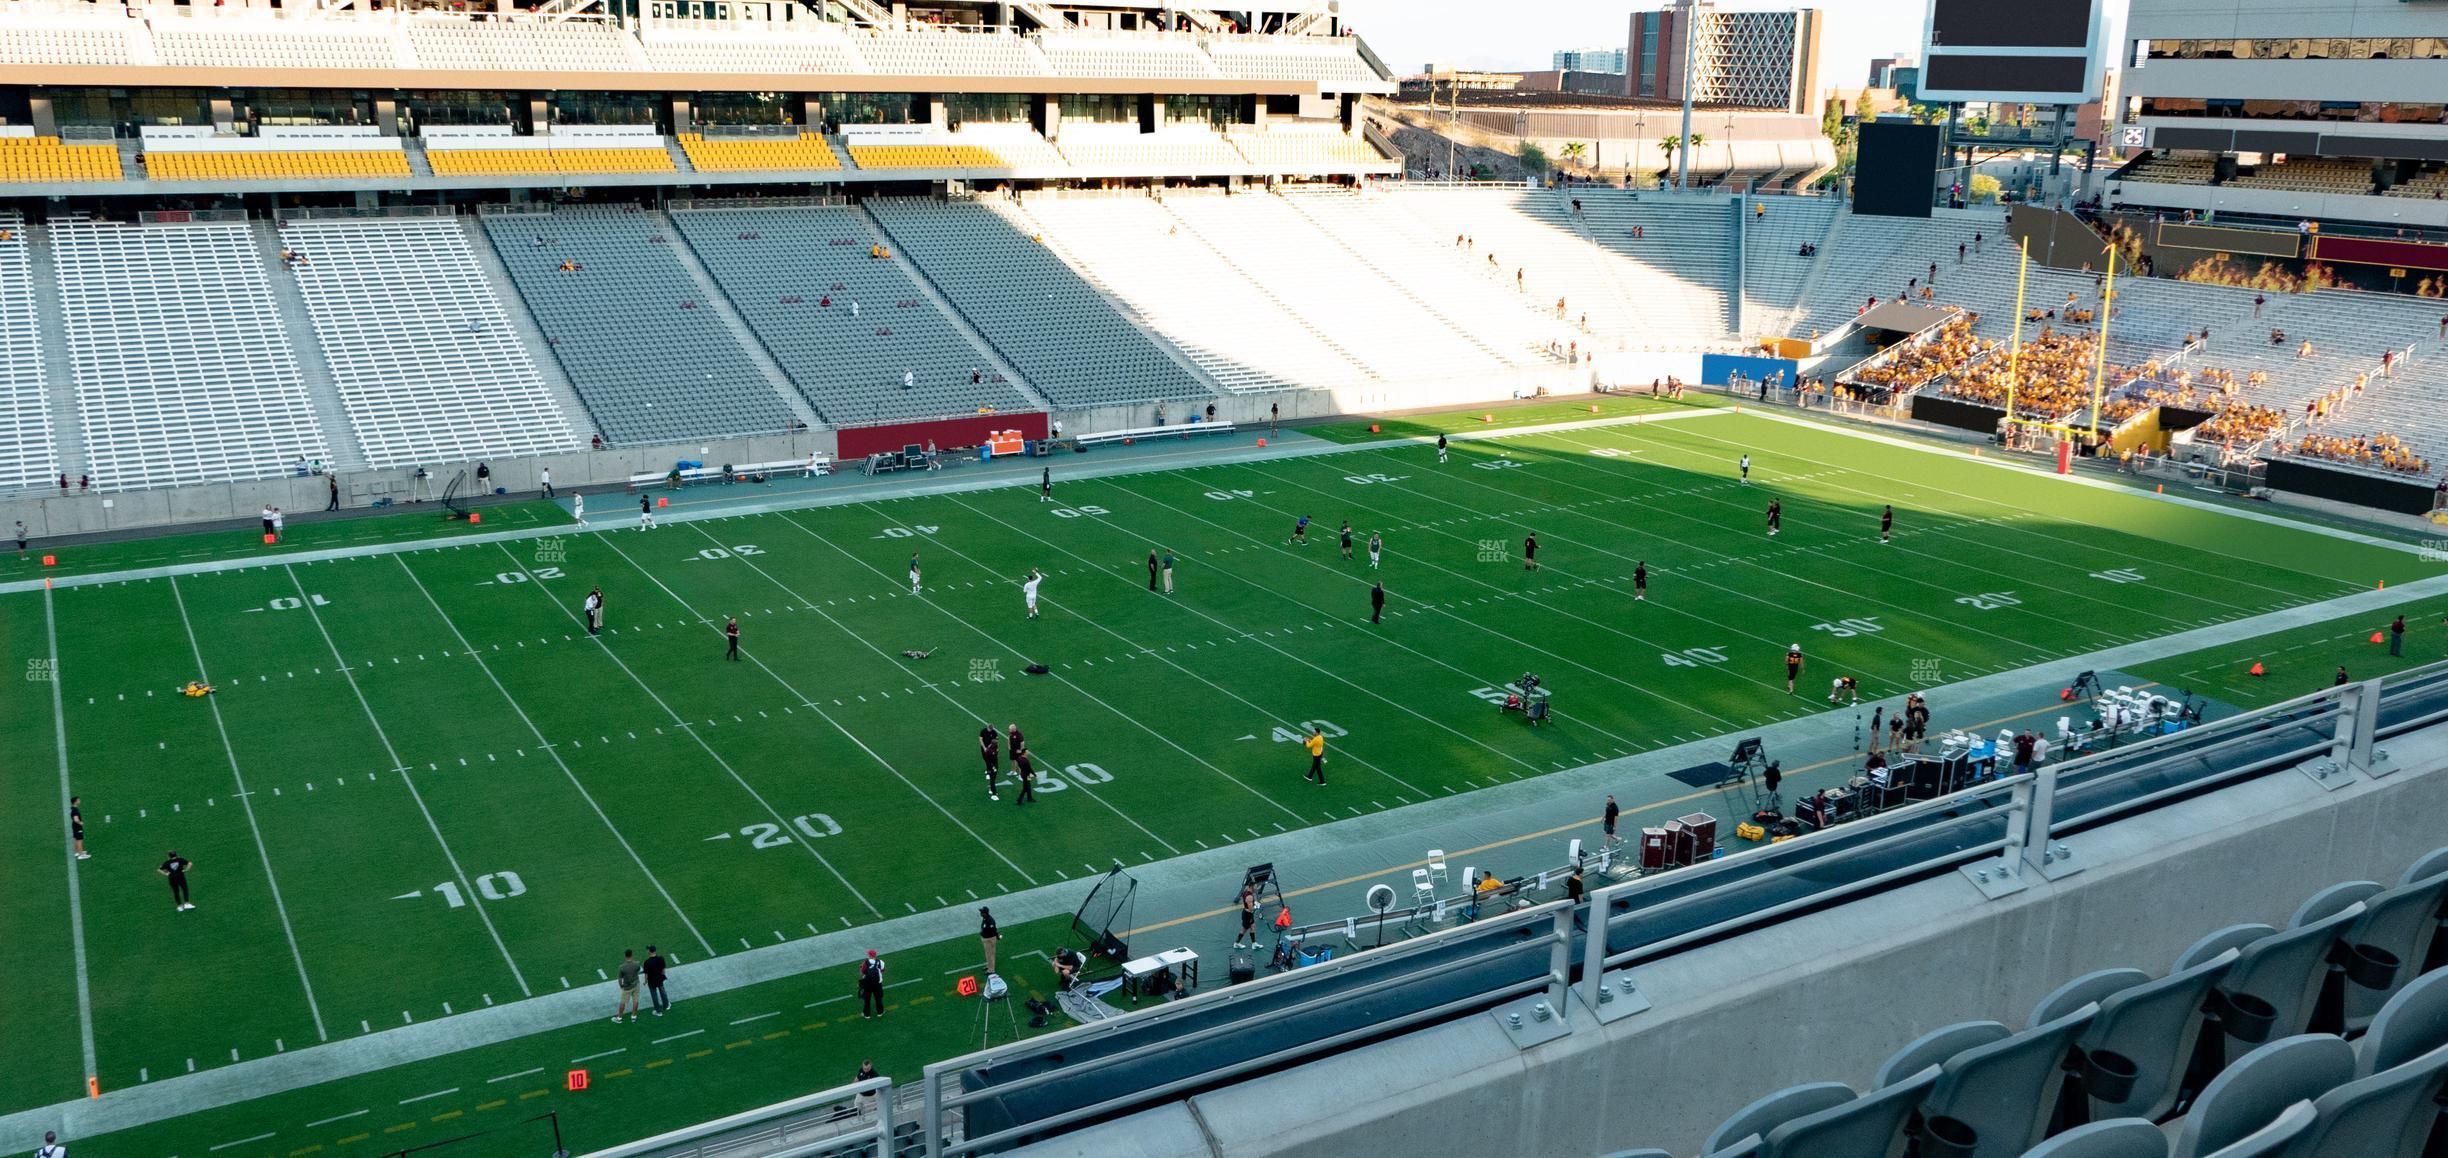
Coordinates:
[620,1073]
[355,1138]
[663,1062]
[495,1104]
[447,1117]
[777,1033]
[402,1126]
[1659,806]
[737,1044]
[305,1150]
[816,1025]
[533,1094]
[699,1054]
[922,1000]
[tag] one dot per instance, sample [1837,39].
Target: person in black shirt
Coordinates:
[1347,539]
[1153,568]
[1045,486]
[1376,602]
[1026,769]
[1249,918]
[1793,667]
[1886,523]
[731,635]
[76,823]
[1640,580]
[1612,812]
[1776,516]
[1530,551]
[871,986]
[1440,449]
[991,749]
[176,866]
[867,1101]
[989,935]
[1573,887]
[655,970]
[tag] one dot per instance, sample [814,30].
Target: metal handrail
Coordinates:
[663,1145]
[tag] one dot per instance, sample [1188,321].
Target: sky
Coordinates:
[1521,34]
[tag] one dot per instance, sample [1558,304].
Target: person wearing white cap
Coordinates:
[1793,667]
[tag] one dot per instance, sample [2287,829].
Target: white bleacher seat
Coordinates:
[425,360]
[1330,62]
[498,46]
[61,38]
[1178,286]
[1677,276]
[1774,269]
[921,53]
[779,265]
[217,42]
[28,458]
[1156,58]
[1475,298]
[1173,152]
[652,361]
[184,374]
[751,48]
[1050,323]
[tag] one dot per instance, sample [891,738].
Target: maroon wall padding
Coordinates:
[948,433]
[2373,251]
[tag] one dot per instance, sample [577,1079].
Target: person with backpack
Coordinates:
[871,986]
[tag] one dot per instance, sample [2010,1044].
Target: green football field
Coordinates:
[423,789]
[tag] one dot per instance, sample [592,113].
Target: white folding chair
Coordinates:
[1436,864]
[1423,891]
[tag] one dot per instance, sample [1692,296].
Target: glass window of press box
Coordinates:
[130,108]
[744,108]
[1100,108]
[987,108]
[456,107]
[868,108]
[1217,111]
[297,106]
[604,108]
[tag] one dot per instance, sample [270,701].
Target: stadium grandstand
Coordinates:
[545,505]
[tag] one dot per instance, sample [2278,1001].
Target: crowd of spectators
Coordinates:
[2055,373]
[1946,352]
[2383,451]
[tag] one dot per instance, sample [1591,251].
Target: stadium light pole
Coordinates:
[1691,31]
[2099,365]
[2014,350]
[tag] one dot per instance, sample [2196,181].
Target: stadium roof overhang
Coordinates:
[1903,319]
[131,76]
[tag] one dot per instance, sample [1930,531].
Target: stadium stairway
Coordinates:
[418,166]
[1789,320]
[720,303]
[59,376]
[961,325]
[314,372]
[531,334]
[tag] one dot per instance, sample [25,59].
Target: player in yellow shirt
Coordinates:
[1316,743]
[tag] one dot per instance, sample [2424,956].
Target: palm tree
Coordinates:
[1573,152]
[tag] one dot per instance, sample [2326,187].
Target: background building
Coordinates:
[1589,60]
[1753,60]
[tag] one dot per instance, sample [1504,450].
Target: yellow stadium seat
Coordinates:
[31,159]
[564,162]
[927,157]
[724,155]
[274,165]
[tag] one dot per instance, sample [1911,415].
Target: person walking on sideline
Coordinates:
[1776,517]
[628,979]
[76,826]
[1607,823]
[2397,636]
[1376,602]
[1530,551]
[913,572]
[578,508]
[1440,450]
[332,483]
[1168,571]
[731,639]
[1154,568]
[656,970]
[544,479]
[990,749]
[1745,466]
[871,986]
[1028,591]
[1045,485]
[1793,667]
[1274,416]
[1886,523]
[645,513]
[1316,743]
[1640,581]
[989,935]
[1249,918]
[175,866]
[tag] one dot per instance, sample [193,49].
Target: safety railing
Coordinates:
[833,1121]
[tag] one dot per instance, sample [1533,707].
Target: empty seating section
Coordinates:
[843,324]
[568,46]
[1336,63]
[631,328]
[1175,151]
[32,41]
[1681,267]
[2430,185]
[1239,333]
[1100,56]
[1474,299]
[1014,146]
[2309,175]
[1289,150]
[220,43]
[574,161]
[1883,257]
[425,360]
[272,165]
[1313,276]
[929,156]
[917,53]
[747,154]
[753,48]
[47,159]
[2238,1049]
[1532,231]
[2169,169]
[27,456]
[1049,323]
[1774,269]
[183,372]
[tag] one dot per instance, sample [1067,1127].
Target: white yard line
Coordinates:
[604,647]
[246,803]
[76,903]
[553,751]
[467,887]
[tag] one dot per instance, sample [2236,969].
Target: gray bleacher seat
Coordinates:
[780,265]
[1742,1135]
[2399,922]
[2151,1028]
[2385,1115]
[2253,1092]
[2271,991]
[1870,1126]
[1051,324]
[2007,1090]
[1934,1047]
[652,363]
[28,457]
[2434,863]
[2412,1024]
[1642,1153]
[2272,1140]
[2114,1138]
[1682,266]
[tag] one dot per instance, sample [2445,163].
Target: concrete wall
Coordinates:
[1824,998]
[48,515]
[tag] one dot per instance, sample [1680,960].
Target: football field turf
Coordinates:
[423,789]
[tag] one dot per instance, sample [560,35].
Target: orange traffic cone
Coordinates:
[2256,669]
[2375,637]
